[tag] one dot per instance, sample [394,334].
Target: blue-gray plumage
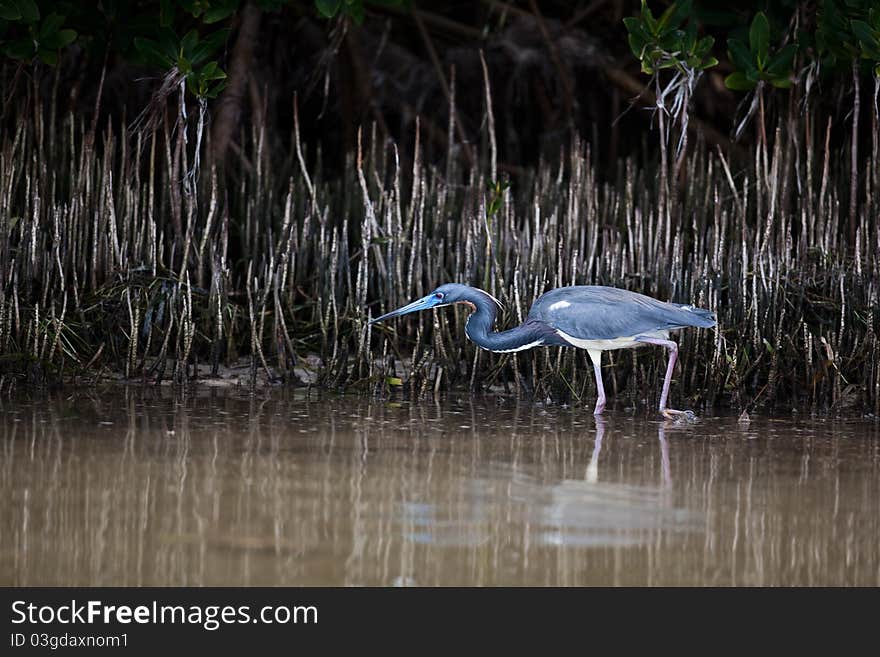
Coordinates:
[595,312]
[590,317]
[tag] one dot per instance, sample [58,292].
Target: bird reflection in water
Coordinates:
[592,474]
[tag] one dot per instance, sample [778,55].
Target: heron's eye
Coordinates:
[439,295]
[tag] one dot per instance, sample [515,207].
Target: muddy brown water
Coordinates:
[220,487]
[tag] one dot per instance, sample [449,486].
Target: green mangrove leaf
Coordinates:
[689,42]
[208,46]
[740,55]
[759,38]
[193,7]
[671,41]
[637,38]
[59,39]
[636,45]
[328,8]
[166,13]
[151,53]
[169,44]
[184,65]
[189,41]
[354,9]
[674,15]
[49,57]
[704,45]
[214,91]
[66,37]
[28,10]
[9,11]
[867,39]
[702,64]
[51,24]
[220,11]
[648,19]
[212,71]
[738,82]
[780,63]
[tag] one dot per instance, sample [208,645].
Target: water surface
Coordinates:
[220,487]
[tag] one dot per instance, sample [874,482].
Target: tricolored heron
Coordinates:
[591,317]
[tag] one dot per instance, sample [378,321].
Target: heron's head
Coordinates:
[444,295]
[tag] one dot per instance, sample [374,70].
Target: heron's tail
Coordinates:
[700,317]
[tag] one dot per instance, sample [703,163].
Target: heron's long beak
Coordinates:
[424,303]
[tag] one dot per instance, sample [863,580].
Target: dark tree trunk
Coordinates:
[854,158]
[229,110]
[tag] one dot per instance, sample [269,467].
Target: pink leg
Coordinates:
[596,357]
[664,395]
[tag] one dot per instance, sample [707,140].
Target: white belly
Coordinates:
[614,343]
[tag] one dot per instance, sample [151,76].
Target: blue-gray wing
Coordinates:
[594,312]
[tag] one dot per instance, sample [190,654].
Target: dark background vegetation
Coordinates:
[555,67]
[754,128]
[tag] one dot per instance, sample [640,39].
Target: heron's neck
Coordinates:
[479,330]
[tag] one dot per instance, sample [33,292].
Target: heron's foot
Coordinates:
[679,416]
[599,408]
